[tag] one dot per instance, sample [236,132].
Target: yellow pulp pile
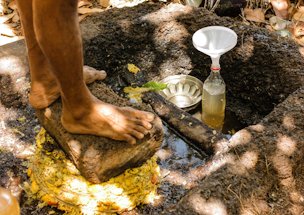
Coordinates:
[57,182]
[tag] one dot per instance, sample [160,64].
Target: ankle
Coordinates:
[77,109]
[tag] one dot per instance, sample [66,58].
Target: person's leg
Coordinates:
[58,35]
[43,83]
[44,88]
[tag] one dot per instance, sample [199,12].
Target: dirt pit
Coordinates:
[259,171]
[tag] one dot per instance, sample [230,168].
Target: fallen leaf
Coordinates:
[284,33]
[5,18]
[297,32]
[278,23]
[84,3]
[16,131]
[135,93]
[15,17]
[254,15]
[88,10]
[156,86]
[6,30]
[12,5]
[83,16]
[22,119]
[135,90]
[280,8]
[298,16]
[132,68]
[104,3]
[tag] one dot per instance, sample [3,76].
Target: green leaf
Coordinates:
[156,86]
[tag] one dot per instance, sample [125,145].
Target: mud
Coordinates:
[258,78]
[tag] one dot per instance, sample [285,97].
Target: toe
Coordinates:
[129,139]
[146,124]
[91,74]
[142,115]
[138,126]
[100,75]
[136,134]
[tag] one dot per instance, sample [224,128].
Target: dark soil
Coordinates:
[176,159]
[258,78]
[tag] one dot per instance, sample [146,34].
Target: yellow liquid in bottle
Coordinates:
[8,203]
[213,105]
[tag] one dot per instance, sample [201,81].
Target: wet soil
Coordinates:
[231,185]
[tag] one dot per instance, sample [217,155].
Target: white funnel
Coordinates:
[214,41]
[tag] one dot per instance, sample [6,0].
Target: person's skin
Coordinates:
[56,63]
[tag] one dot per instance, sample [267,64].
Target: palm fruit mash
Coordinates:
[57,182]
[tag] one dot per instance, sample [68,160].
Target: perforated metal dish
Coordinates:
[184,91]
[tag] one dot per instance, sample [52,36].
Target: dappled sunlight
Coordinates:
[289,122]
[166,35]
[210,167]
[257,128]
[8,64]
[10,30]
[286,145]
[56,181]
[4,39]
[75,146]
[283,164]
[14,80]
[176,178]
[241,137]
[296,197]
[283,167]
[204,206]
[171,33]
[296,209]
[253,206]
[247,161]
[164,13]
[164,154]
[9,135]
[174,32]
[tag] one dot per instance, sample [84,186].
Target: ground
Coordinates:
[258,172]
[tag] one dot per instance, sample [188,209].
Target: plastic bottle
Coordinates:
[8,203]
[214,100]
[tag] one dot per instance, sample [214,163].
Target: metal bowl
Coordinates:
[184,91]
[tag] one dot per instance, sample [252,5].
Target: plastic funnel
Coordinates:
[214,41]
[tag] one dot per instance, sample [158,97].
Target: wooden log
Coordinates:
[193,129]
[98,158]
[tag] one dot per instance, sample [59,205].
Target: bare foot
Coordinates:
[103,119]
[47,91]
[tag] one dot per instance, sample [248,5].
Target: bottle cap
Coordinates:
[217,68]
